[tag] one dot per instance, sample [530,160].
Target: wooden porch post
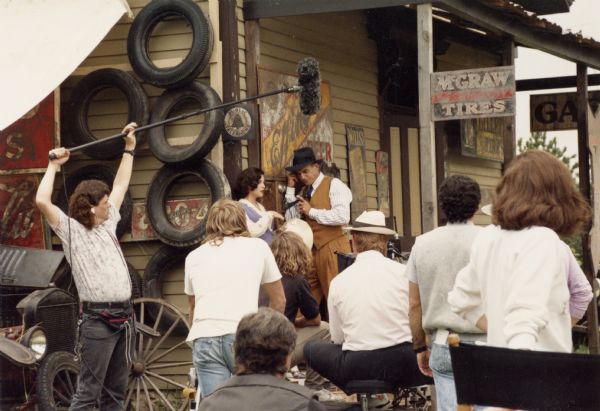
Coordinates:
[426,126]
[584,186]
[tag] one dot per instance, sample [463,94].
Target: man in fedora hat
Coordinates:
[324,202]
[368,315]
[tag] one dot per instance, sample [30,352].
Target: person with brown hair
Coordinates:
[294,261]
[249,190]
[264,342]
[222,280]
[101,275]
[515,284]
[368,316]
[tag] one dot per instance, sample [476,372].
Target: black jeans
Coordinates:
[396,365]
[103,361]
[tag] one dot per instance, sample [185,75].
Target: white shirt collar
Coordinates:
[318,181]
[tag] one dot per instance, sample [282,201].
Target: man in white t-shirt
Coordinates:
[222,280]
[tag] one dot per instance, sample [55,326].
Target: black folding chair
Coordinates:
[521,379]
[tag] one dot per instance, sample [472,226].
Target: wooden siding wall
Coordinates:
[486,173]
[348,61]
[169,44]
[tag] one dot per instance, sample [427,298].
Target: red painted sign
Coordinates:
[21,221]
[24,145]
[184,214]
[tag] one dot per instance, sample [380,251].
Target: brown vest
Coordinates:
[320,200]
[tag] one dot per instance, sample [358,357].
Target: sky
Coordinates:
[536,64]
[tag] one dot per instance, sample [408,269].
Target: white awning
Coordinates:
[42,42]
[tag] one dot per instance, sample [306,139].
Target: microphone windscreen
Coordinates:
[310,81]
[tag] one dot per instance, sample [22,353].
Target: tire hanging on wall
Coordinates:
[138,42]
[161,262]
[102,173]
[159,188]
[208,136]
[79,103]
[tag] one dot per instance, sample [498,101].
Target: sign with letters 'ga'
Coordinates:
[557,111]
[473,93]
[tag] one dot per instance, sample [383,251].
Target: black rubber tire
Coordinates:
[59,363]
[79,103]
[96,172]
[138,43]
[158,190]
[208,136]
[160,263]
[137,283]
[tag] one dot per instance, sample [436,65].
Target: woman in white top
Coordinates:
[249,190]
[515,283]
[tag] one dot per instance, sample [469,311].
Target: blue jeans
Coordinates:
[443,377]
[214,361]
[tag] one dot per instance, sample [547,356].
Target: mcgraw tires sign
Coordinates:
[474,93]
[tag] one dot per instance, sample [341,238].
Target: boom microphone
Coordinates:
[310,81]
[309,87]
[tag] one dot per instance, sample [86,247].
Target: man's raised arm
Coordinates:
[43,197]
[121,183]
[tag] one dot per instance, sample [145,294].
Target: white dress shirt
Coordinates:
[340,197]
[368,304]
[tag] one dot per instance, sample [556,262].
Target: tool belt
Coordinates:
[113,314]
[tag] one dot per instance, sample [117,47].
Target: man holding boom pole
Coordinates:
[88,236]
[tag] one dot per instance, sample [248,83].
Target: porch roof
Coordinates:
[498,16]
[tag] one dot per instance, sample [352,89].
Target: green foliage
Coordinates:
[539,140]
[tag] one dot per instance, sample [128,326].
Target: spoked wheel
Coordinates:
[161,358]
[57,381]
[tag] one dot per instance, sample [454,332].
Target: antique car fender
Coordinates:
[16,353]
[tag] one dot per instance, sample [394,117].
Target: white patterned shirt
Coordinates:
[98,265]
[340,197]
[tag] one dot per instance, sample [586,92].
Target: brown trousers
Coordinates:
[326,266]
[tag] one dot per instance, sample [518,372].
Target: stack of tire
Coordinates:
[181,87]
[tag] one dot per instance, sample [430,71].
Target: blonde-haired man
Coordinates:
[222,279]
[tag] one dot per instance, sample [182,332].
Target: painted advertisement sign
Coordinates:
[183,214]
[24,145]
[283,127]
[21,221]
[357,163]
[474,93]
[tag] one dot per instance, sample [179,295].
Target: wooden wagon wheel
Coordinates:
[161,360]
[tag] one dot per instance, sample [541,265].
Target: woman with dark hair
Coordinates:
[249,190]
[515,284]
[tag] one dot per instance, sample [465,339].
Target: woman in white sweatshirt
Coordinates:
[516,277]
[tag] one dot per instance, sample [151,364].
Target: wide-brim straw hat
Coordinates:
[371,222]
[300,227]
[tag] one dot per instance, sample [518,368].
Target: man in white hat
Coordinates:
[368,316]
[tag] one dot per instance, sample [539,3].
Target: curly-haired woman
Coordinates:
[249,190]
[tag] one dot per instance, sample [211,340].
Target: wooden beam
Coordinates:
[252,31]
[257,9]
[523,34]
[584,187]
[554,82]
[426,127]
[232,150]
[510,137]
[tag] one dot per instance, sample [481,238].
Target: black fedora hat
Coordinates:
[302,157]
